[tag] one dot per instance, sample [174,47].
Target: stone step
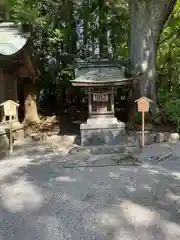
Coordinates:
[103,160]
[105,149]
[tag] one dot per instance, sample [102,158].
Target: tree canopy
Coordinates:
[64,30]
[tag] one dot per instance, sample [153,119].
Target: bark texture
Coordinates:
[103,46]
[148,18]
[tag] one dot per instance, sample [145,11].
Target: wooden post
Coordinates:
[112,100]
[142,128]
[89,101]
[10,135]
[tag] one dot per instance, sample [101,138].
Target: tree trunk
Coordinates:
[103,46]
[30,107]
[147,21]
[85,28]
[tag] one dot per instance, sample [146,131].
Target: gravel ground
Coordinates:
[41,200]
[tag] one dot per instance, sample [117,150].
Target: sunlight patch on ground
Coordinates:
[171,229]
[172,197]
[109,218]
[65,179]
[10,165]
[147,187]
[21,195]
[176,174]
[138,215]
[114,175]
[54,227]
[131,188]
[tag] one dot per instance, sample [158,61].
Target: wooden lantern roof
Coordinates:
[144,99]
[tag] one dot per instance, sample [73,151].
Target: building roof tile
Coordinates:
[11,38]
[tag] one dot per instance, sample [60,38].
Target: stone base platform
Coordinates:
[106,149]
[102,131]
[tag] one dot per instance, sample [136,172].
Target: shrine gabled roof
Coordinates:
[11,38]
[100,73]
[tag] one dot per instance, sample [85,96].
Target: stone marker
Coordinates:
[149,138]
[41,136]
[18,131]
[174,137]
[4,141]
[160,137]
[166,136]
[148,127]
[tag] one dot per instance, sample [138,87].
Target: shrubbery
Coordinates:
[170,108]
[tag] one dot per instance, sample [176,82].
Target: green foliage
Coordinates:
[164,96]
[63,30]
[138,118]
[169,103]
[172,111]
[168,68]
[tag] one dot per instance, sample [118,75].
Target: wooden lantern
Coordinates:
[10,108]
[143,104]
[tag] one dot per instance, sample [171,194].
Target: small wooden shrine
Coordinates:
[15,62]
[101,78]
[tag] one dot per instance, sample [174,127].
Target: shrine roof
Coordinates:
[12,40]
[100,73]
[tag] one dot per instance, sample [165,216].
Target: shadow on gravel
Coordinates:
[41,200]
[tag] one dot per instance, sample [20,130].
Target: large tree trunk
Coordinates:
[147,21]
[103,46]
[30,107]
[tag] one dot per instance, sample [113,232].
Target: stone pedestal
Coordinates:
[102,131]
